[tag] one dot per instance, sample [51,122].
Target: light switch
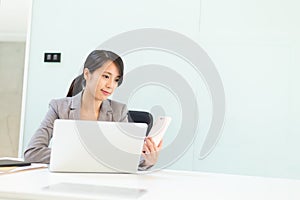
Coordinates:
[52,57]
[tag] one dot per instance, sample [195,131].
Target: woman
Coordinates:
[87,100]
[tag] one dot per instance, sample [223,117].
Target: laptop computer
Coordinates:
[96,146]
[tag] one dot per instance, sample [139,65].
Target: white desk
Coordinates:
[165,184]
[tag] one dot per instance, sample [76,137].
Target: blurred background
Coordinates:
[14,19]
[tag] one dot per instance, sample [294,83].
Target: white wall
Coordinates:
[253,44]
[14,19]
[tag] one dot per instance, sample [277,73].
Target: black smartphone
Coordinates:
[13,163]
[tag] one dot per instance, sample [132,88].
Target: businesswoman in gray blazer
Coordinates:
[87,99]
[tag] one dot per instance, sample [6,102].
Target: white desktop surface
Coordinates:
[165,184]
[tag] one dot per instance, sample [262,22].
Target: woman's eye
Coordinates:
[105,76]
[117,80]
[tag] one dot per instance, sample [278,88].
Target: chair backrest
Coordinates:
[141,117]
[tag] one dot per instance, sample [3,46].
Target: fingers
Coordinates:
[144,155]
[146,149]
[151,145]
[151,151]
[160,145]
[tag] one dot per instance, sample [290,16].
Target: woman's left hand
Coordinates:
[151,151]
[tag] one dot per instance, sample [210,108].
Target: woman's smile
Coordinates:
[106,93]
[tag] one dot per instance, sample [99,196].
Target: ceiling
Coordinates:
[14,19]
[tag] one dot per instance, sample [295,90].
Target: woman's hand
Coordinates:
[151,151]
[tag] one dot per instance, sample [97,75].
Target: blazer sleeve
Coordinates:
[124,114]
[38,148]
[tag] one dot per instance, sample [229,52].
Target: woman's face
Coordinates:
[102,82]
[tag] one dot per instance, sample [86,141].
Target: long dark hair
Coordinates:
[94,61]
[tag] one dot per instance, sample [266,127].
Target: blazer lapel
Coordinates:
[106,112]
[75,107]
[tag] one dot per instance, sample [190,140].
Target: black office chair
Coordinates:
[141,117]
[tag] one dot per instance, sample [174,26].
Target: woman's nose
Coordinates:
[109,83]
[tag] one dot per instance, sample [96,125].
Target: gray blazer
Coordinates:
[67,108]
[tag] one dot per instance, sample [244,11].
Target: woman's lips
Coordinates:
[105,92]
